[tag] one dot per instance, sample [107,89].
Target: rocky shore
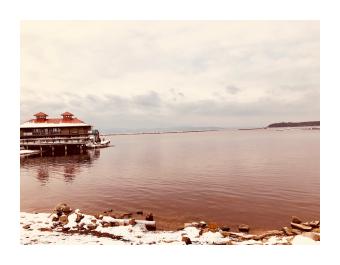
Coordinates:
[65,226]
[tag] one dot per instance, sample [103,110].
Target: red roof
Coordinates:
[39,114]
[57,121]
[66,114]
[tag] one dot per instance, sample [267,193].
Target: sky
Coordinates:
[132,75]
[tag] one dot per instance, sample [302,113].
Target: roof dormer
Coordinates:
[40,116]
[67,115]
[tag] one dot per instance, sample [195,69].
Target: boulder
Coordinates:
[149,217]
[186,240]
[26,226]
[243,228]
[301,227]
[62,208]
[67,209]
[296,220]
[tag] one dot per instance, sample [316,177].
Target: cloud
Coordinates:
[232,89]
[116,73]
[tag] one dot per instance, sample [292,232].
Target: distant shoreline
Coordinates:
[169,132]
[294,124]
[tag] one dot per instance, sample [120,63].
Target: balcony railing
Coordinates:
[54,140]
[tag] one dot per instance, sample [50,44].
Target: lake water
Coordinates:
[257,177]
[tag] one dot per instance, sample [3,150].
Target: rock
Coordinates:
[55,218]
[63,219]
[139,212]
[67,210]
[243,228]
[288,231]
[316,230]
[106,224]
[45,229]
[26,226]
[301,227]
[186,239]
[302,240]
[195,224]
[65,229]
[269,233]
[203,224]
[96,215]
[296,220]
[312,235]
[132,221]
[314,224]
[225,233]
[150,227]
[149,217]
[213,227]
[91,226]
[62,208]
[225,228]
[296,231]
[79,218]
[114,224]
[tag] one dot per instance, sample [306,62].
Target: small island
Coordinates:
[294,124]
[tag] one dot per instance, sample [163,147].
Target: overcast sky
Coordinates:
[168,74]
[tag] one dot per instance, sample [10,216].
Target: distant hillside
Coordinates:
[294,124]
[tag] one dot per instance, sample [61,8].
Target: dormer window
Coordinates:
[40,116]
[67,116]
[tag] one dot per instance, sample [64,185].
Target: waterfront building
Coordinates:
[50,133]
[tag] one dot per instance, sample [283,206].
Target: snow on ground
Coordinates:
[38,228]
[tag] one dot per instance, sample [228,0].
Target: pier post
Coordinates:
[40,150]
[81,148]
[52,150]
[65,149]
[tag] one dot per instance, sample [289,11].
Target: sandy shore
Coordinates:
[78,228]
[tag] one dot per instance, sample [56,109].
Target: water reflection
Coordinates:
[67,166]
[42,175]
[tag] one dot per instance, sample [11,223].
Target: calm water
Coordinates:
[258,177]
